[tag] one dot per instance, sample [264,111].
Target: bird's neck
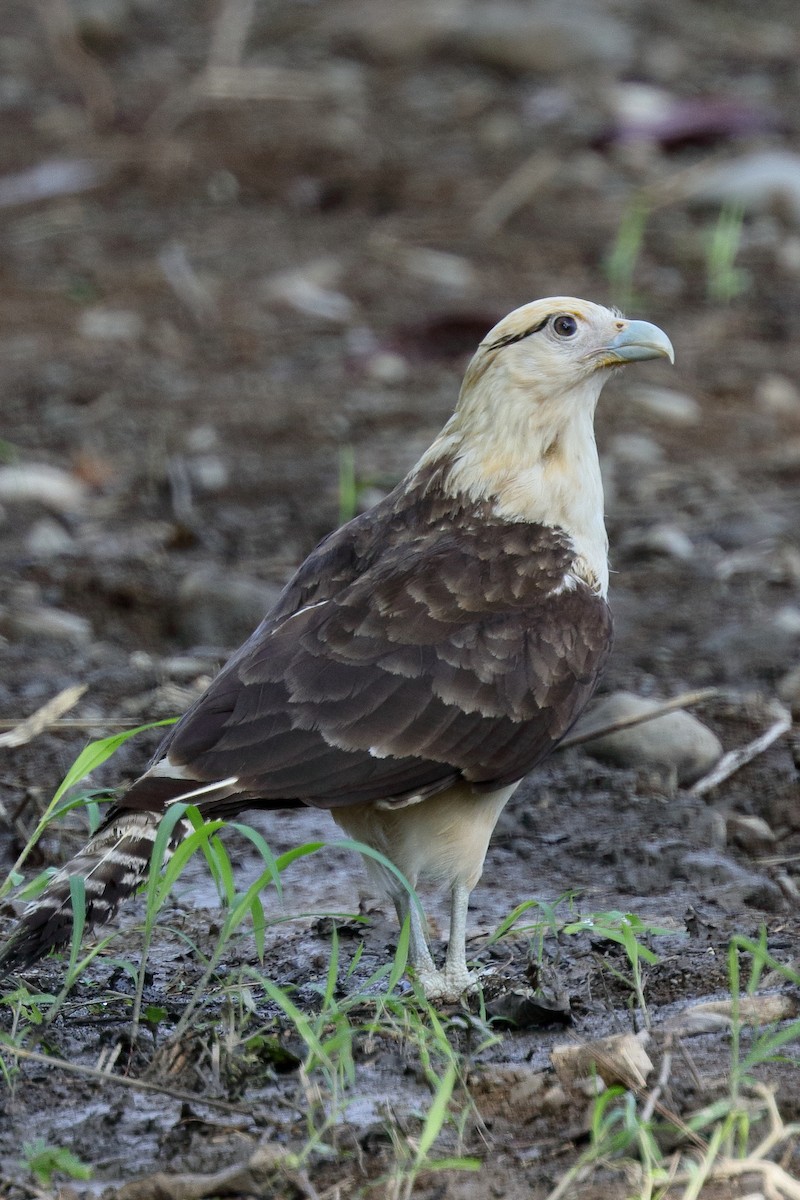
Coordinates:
[534,464]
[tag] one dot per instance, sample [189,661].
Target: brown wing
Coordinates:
[401,659]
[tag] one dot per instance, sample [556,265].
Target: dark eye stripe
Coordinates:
[517,337]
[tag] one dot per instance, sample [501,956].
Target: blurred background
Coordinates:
[247,247]
[246,250]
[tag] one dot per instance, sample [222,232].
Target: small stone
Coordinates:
[545,38]
[48,539]
[789,690]
[208,472]
[753,834]
[621,1058]
[671,407]
[787,620]
[676,740]
[110,325]
[396,33]
[387,367]
[448,271]
[311,290]
[765,181]
[636,449]
[43,621]
[777,394]
[202,439]
[39,483]
[668,541]
[712,1015]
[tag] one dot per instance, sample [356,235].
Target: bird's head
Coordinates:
[559,345]
[522,434]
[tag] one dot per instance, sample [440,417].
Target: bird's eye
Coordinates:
[565,326]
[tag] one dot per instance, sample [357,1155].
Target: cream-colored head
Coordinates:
[522,434]
[552,347]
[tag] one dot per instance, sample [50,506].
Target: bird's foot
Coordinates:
[447,987]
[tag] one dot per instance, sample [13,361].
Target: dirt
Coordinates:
[247,292]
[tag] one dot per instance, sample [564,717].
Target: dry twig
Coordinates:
[143,1085]
[685,700]
[20,732]
[734,759]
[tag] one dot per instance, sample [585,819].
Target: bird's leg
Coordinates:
[457,978]
[450,984]
[419,954]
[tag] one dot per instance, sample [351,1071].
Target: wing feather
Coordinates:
[422,643]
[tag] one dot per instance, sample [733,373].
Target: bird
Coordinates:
[422,660]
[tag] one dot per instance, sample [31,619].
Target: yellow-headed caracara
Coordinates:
[425,656]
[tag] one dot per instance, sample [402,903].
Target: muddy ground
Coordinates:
[242,249]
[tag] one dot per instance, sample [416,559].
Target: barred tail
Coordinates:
[112,865]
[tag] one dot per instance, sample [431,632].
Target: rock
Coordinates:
[311,290]
[208,472]
[397,32]
[753,834]
[789,690]
[43,621]
[636,449]
[673,408]
[621,1058]
[110,325]
[764,181]
[450,272]
[676,740]
[669,541]
[786,620]
[38,483]
[711,1015]
[220,608]
[47,539]
[545,38]
[777,394]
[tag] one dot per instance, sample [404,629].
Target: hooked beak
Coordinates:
[639,340]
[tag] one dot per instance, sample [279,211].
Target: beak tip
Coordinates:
[640,341]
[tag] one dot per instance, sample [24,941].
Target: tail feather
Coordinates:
[112,865]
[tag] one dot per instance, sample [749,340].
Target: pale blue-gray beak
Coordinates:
[640,340]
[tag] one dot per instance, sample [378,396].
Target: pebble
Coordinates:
[110,325]
[671,407]
[39,483]
[451,272]
[45,622]
[669,541]
[676,740]
[786,620]
[752,834]
[208,472]
[47,539]
[621,1058]
[763,181]
[397,32]
[636,448]
[545,38]
[219,608]
[789,690]
[311,290]
[777,394]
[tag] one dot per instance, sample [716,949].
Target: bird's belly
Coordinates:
[442,839]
